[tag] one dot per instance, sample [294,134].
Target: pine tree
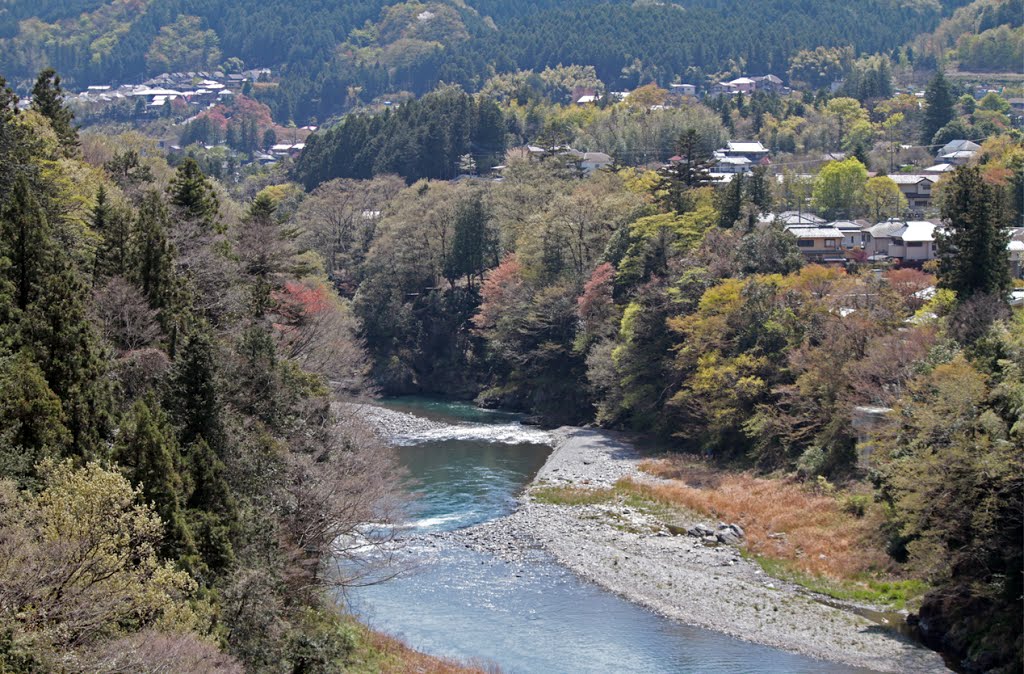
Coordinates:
[759,190]
[731,205]
[56,331]
[148,453]
[972,248]
[192,194]
[115,226]
[152,262]
[938,111]
[48,100]
[193,399]
[26,241]
[693,170]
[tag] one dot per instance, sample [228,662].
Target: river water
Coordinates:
[529,616]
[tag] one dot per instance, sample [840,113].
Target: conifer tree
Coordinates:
[48,100]
[115,226]
[26,242]
[56,331]
[193,398]
[758,189]
[152,262]
[192,194]
[148,453]
[31,419]
[679,177]
[972,248]
[938,100]
[731,205]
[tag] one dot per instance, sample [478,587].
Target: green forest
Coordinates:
[330,56]
[173,472]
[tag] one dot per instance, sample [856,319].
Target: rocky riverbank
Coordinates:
[631,552]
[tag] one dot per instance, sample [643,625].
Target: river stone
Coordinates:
[728,536]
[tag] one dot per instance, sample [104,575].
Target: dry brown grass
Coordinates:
[782,519]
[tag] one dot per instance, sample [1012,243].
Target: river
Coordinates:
[528,616]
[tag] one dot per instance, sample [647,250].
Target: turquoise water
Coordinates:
[529,616]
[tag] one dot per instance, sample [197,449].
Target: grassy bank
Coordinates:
[377,653]
[828,540]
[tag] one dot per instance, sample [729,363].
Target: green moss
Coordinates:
[571,496]
[894,594]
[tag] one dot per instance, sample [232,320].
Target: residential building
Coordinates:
[769,83]
[1015,248]
[853,234]
[916,187]
[732,165]
[752,150]
[594,161]
[878,237]
[958,146]
[683,89]
[911,241]
[820,244]
[723,88]
[743,85]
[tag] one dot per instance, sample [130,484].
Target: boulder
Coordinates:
[700,531]
[728,537]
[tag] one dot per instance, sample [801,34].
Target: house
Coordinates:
[752,150]
[853,234]
[798,218]
[594,161]
[723,89]
[938,169]
[917,188]
[1015,248]
[914,242]
[769,83]
[683,89]
[821,244]
[877,237]
[958,158]
[958,146]
[908,240]
[744,85]
[732,165]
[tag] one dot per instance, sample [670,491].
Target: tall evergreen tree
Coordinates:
[193,195]
[152,263]
[148,453]
[26,242]
[57,332]
[48,100]
[193,399]
[938,111]
[115,226]
[731,202]
[692,170]
[972,249]
[759,190]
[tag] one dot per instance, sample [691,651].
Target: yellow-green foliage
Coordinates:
[78,562]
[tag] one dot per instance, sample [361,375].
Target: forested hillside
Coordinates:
[330,54]
[173,477]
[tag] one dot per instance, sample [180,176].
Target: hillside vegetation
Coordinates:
[329,52]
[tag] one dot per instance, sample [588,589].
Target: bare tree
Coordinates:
[126,319]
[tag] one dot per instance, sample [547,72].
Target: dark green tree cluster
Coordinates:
[422,139]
